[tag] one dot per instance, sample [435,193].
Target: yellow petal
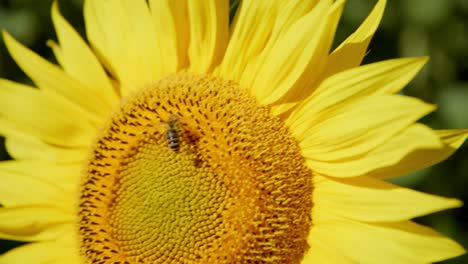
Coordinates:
[22,146]
[19,189]
[61,177]
[44,115]
[420,158]
[453,138]
[350,53]
[300,51]
[397,242]
[170,19]
[25,147]
[368,122]
[371,200]
[57,50]
[79,62]
[51,78]
[291,11]
[312,75]
[60,251]
[251,31]
[33,222]
[209,31]
[124,33]
[389,153]
[385,77]
[319,253]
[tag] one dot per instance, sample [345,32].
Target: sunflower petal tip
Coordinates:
[432,107]
[417,62]
[382,2]
[13,46]
[9,40]
[420,61]
[55,11]
[341,2]
[51,43]
[428,107]
[457,203]
[456,251]
[5,34]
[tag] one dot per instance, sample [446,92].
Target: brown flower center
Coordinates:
[194,170]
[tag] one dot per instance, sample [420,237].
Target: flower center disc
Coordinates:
[194,170]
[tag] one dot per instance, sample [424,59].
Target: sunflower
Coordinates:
[177,135]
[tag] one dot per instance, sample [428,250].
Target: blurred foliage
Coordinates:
[434,28]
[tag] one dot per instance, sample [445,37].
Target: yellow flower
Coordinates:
[174,137]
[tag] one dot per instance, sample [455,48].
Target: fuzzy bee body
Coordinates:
[172,133]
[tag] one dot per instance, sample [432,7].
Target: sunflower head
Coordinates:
[235,189]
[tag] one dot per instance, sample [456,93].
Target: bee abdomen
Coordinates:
[173,141]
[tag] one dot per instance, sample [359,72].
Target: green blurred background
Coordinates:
[437,28]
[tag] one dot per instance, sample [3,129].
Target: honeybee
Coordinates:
[172,133]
